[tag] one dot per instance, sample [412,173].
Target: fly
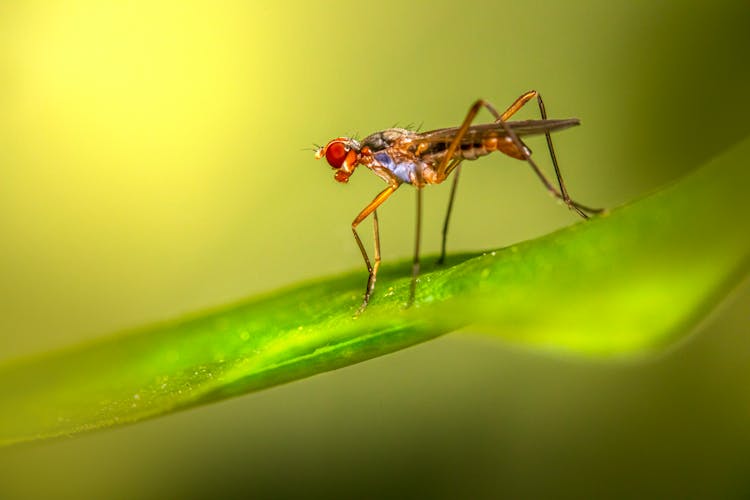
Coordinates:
[400,156]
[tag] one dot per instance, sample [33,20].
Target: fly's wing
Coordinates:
[478,132]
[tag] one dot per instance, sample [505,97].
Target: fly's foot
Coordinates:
[577,210]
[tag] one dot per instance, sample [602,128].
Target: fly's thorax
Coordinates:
[386,138]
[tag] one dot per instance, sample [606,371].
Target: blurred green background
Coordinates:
[155,159]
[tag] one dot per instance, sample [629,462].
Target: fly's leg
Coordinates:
[457,168]
[442,169]
[581,209]
[448,164]
[417,236]
[562,194]
[371,269]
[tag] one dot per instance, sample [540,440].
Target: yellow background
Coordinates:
[156,158]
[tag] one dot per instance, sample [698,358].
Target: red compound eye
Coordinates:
[336,154]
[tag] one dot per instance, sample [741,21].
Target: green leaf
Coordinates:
[623,284]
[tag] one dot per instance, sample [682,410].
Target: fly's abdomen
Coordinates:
[474,146]
[474,150]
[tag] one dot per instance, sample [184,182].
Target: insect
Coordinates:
[400,156]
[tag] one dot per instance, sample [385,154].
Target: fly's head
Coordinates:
[343,155]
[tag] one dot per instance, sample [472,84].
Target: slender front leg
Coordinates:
[371,269]
[417,237]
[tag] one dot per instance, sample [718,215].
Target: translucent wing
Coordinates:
[477,132]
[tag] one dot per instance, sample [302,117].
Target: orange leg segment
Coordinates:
[371,269]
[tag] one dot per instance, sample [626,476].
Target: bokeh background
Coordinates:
[155,159]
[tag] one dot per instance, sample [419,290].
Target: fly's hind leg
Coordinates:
[562,194]
[448,163]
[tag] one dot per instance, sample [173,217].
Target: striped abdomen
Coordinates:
[473,146]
